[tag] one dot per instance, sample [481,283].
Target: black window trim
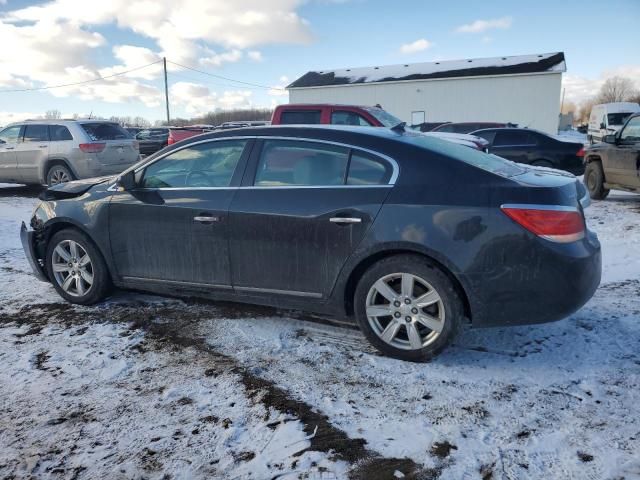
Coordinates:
[256,147]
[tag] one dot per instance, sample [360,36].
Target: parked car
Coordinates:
[608,118]
[133,131]
[327,114]
[176,134]
[427,126]
[468,127]
[361,223]
[533,147]
[57,151]
[614,163]
[153,139]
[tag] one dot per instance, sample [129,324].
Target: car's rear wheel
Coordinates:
[407,308]
[594,180]
[58,173]
[76,268]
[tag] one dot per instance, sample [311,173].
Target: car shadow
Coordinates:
[29,191]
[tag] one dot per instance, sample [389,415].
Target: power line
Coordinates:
[224,78]
[79,83]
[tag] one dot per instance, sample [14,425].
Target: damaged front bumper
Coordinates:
[27,238]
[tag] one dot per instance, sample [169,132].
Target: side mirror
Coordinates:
[127,181]
[609,139]
[602,126]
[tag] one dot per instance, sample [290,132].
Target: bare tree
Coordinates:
[584,110]
[616,89]
[52,115]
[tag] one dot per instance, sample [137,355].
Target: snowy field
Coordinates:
[149,387]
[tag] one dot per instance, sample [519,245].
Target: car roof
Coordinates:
[320,105]
[511,129]
[60,121]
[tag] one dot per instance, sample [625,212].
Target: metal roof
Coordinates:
[475,67]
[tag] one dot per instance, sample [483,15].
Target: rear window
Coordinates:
[485,161]
[304,117]
[105,131]
[513,138]
[59,133]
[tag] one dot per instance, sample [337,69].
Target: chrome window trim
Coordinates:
[537,206]
[176,282]
[390,183]
[294,293]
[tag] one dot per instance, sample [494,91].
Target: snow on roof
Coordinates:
[475,67]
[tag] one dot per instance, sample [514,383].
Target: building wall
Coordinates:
[528,100]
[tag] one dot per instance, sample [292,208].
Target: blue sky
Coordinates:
[62,43]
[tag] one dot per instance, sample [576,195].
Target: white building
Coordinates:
[522,89]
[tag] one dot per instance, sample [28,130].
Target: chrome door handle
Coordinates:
[345,220]
[9,148]
[206,219]
[42,146]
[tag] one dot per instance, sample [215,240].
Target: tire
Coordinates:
[594,180]
[88,283]
[542,163]
[444,308]
[58,173]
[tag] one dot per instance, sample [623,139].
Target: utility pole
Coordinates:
[166,89]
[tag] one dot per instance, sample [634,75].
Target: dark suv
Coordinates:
[363,223]
[615,162]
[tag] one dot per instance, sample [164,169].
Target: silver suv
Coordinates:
[57,151]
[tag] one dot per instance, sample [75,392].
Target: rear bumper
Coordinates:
[26,237]
[550,283]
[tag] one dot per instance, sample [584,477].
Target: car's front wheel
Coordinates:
[76,268]
[407,307]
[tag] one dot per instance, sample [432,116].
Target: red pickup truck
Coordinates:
[328,114]
[180,133]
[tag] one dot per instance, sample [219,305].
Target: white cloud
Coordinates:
[279,90]
[579,88]
[55,42]
[417,46]
[198,99]
[480,26]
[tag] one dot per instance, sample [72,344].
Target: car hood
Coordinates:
[74,188]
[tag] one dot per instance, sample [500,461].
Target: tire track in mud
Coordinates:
[167,325]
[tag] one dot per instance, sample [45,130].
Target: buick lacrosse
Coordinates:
[409,236]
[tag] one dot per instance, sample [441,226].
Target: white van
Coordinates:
[608,118]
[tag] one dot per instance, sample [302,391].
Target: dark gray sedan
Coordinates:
[407,235]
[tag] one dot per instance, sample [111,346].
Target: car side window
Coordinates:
[513,138]
[36,133]
[445,129]
[488,135]
[342,117]
[304,117]
[366,169]
[10,134]
[301,163]
[631,132]
[58,133]
[203,165]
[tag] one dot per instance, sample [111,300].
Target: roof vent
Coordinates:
[504,58]
[406,65]
[376,68]
[539,56]
[437,63]
[469,61]
[348,69]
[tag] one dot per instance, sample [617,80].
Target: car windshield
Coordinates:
[384,117]
[489,162]
[617,118]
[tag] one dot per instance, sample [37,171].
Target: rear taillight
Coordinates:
[171,140]
[557,224]
[92,147]
[580,153]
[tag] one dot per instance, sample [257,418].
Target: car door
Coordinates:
[173,226]
[8,159]
[299,215]
[627,154]
[32,152]
[515,145]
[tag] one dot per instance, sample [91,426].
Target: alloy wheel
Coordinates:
[405,311]
[72,268]
[59,175]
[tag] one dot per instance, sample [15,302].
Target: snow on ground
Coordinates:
[146,387]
